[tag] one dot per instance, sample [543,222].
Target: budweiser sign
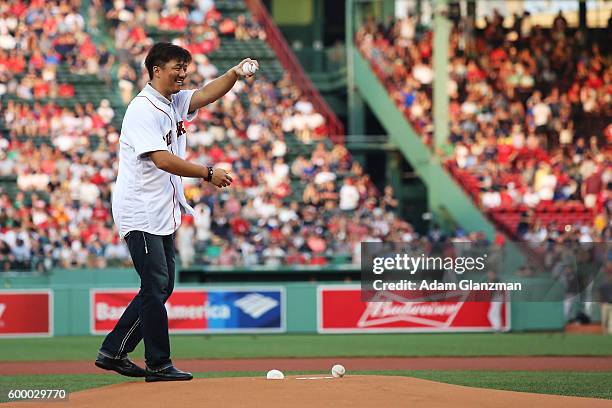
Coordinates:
[435,313]
[341,310]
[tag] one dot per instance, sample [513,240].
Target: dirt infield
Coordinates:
[348,392]
[324,364]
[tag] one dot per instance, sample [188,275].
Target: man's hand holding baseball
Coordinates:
[246,68]
[217,88]
[220,177]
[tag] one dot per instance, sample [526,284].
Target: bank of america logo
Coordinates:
[256,304]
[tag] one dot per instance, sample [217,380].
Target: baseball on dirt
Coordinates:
[249,67]
[275,375]
[338,371]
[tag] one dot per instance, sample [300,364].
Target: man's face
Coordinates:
[172,75]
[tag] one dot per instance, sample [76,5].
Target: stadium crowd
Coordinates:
[282,209]
[529,111]
[65,160]
[196,26]
[36,37]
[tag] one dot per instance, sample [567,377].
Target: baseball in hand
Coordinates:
[249,68]
[338,371]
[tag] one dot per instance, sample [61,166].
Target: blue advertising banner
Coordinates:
[246,310]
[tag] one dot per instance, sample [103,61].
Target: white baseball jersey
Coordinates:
[146,198]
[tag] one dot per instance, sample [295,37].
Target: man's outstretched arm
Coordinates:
[220,86]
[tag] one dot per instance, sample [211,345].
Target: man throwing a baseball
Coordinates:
[148,201]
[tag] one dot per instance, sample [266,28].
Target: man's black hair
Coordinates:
[162,53]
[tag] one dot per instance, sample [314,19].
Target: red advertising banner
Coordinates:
[340,310]
[186,310]
[27,313]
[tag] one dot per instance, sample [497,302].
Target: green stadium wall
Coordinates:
[71,300]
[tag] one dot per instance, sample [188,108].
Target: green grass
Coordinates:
[355,345]
[583,384]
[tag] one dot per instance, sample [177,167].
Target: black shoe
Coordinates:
[123,366]
[167,374]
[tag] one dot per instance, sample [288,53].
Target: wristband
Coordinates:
[210,173]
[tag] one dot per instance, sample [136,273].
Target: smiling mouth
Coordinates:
[179,83]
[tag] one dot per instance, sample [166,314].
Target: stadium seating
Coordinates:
[497,128]
[81,175]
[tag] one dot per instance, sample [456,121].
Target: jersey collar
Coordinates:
[155,93]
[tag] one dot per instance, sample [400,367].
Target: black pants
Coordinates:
[145,317]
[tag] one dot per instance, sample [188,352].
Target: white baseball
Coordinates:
[249,67]
[338,371]
[275,375]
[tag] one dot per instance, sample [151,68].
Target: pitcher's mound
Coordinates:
[348,392]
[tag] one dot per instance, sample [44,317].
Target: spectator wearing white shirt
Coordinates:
[185,237]
[288,214]
[88,192]
[273,255]
[74,21]
[491,199]
[205,68]
[7,41]
[22,254]
[544,182]
[264,208]
[105,111]
[279,147]
[422,73]
[304,106]
[255,131]
[324,176]
[349,195]
[541,113]
[201,137]
[202,221]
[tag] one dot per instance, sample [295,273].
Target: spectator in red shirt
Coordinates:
[16,62]
[88,49]
[239,226]
[41,89]
[227,27]
[65,91]
[294,257]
